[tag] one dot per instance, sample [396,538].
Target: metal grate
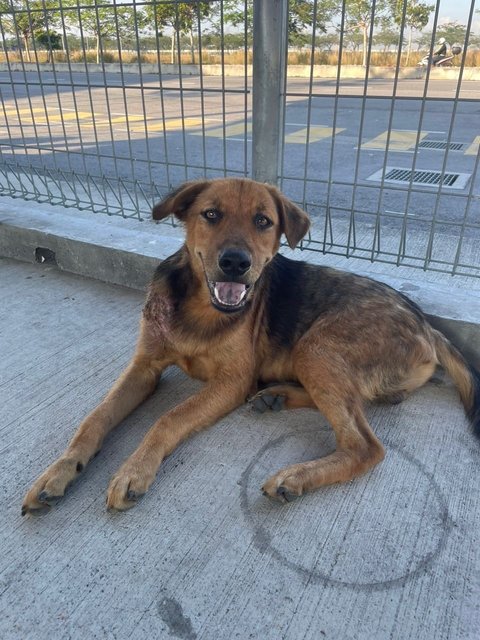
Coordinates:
[441,145]
[421,177]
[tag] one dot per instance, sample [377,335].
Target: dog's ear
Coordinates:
[179,201]
[295,222]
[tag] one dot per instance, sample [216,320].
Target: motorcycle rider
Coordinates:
[441,52]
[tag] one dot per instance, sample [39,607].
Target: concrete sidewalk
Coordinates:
[204,555]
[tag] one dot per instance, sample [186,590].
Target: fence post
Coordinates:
[270,20]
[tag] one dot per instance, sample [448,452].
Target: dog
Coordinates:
[228,309]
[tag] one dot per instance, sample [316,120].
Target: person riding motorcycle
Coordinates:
[441,52]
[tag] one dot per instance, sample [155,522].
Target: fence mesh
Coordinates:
[105,106]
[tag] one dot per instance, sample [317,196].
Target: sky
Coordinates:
[457,10]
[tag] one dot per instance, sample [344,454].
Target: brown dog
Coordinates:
[229,310]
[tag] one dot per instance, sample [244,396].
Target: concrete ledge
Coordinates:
[126,252]
[238,70]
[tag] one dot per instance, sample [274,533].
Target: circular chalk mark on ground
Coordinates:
[374,533]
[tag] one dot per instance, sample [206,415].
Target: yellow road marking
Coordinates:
[173,124]
[79,115]
[119,120]
[229,131]
[297,137]
[473,148]
[41,117]
[14,112]
[399,140]
[314,134]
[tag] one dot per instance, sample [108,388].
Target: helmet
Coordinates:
[442,41]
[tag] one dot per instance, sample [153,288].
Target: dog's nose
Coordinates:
[235,262]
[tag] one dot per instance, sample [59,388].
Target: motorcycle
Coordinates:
[440,60]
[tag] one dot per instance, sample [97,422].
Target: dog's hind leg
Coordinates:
[136,383]
[282,396]
[335,394]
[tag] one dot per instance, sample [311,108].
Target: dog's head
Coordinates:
[233,230]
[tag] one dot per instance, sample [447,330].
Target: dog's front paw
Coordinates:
[284,486]
[127,486]
[51,485]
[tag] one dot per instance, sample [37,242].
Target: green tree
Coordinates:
[353,40]
[387,38]
[424,41]
[474,41]
[25,18]
[327,41]
[181,17]
[49,40]
[361,16]
[453,32]
[414,14]
[99,20]
[301,16]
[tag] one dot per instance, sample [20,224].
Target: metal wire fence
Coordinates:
[105,106]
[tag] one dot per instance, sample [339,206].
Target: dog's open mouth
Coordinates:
[228,296]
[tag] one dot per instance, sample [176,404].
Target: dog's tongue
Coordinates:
[230,293]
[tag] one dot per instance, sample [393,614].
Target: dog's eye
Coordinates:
[211,215]
[262,222]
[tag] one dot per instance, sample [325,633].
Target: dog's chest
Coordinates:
[158,314]
[201,368]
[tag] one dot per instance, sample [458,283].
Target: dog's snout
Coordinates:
[235,262]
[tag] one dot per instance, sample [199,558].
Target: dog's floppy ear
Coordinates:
[179,201]
[295,222]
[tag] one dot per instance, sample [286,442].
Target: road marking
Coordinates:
[173,124]
[15,112]
[42,117]
[228,131]
[314,134]
[61,117]
[231,132]
[120,120]
[400,140]
[473,148]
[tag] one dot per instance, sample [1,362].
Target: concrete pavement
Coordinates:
[204,555]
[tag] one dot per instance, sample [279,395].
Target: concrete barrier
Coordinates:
[238,70]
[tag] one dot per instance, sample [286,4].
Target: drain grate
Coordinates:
[441,144]
[422,177]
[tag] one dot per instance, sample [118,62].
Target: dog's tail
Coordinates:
[465,377]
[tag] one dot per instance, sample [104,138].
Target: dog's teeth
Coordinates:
[230,293]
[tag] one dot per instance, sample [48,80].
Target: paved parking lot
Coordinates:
[204,555]
[168,131]
[121,143]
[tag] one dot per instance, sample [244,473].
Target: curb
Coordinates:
[126,254]
[239,70]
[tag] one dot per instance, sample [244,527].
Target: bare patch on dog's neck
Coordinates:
[158,313]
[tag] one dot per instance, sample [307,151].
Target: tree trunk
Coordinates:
[192,48]
[365,44]
[172,56]
[98,48]
[27,48]
[409,46]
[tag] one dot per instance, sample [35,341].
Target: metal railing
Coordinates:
[105,106]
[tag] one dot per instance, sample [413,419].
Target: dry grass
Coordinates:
[388,59]
[377,59]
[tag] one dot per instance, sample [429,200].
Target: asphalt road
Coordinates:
[150,133]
